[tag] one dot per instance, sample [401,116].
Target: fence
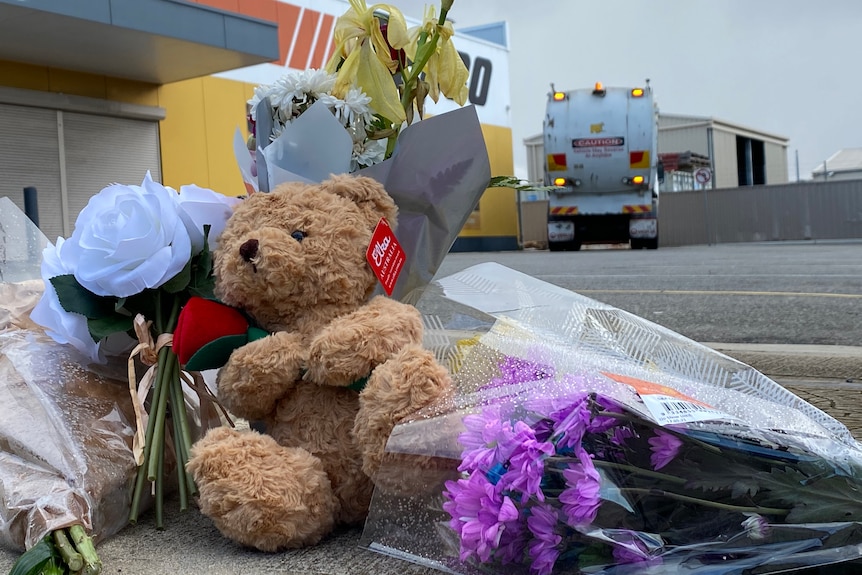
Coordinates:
[800,211]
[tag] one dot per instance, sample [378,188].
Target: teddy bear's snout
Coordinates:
[248,250]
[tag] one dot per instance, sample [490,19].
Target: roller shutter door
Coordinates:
[69,157]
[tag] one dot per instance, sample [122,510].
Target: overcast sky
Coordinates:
[788,67]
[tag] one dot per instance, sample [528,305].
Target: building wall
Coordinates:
[724,150]
[776,164]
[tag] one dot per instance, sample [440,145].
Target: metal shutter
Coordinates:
[30,156]
[103,150]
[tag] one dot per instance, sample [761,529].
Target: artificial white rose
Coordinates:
[127,239]
[199,207]
[62,326]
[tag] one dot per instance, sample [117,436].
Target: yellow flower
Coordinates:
[445,71]
[366,59]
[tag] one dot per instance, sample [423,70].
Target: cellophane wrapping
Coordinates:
[66,425]
[583,438]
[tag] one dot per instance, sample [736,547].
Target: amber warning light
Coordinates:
[559,96]
[559,181]
[638,180]
[637,92]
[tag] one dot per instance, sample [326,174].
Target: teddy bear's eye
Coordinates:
[298,235]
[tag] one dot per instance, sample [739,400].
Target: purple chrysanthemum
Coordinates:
[602,423]
[756,527]
[581,498]
[484,440]
[664,447]
[626,555]
[544,548]
[479,515]
[571,423]
[526,463]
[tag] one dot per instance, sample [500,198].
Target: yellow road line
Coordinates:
[716,292]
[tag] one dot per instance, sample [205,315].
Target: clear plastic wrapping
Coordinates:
[583,438]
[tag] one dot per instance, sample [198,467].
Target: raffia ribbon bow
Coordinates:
[149,354]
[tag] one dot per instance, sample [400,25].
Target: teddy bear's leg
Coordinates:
[405,383]
[259,493]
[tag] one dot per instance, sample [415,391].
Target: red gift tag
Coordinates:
[385,255]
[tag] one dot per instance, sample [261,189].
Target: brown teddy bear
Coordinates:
[295,261]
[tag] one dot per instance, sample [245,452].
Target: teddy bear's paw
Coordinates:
[260,373]
[400,387]
[261,494]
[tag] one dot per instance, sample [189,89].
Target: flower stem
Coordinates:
[157,439]
[705,502]
[423,54]
[634,470]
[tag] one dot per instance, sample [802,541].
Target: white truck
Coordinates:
[601,159]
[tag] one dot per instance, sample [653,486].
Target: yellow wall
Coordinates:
[45,79]
[197,132]
[497,211]
[202,114]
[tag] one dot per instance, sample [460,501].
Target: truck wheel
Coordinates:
[555,246]
[651,244]
[637,244]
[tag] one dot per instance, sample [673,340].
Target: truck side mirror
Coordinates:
[660,173]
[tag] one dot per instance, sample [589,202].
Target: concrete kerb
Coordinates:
[797,361]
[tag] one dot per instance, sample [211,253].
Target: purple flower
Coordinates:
[571,422]
[601,423]
[479,515]
[664,447]
[756,527]
[636,553]
[544,549]
[485,438]
[526,463]
[621,434]
[515,370]
[581,498]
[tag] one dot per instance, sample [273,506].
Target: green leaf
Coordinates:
[822,501]
[103,327]
[76,298]
[32,561]
[517,184]
[180,281]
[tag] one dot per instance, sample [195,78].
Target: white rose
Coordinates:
[199,207]
[128,238]
[62,326]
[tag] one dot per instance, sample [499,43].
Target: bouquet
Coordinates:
[362,114]
[135,257]
[588,440]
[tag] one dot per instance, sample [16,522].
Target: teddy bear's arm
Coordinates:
[352,345]
[260,373]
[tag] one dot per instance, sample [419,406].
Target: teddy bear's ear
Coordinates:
[367,193]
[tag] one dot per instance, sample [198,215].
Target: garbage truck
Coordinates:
[602,167]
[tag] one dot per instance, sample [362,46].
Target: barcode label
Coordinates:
[669,410]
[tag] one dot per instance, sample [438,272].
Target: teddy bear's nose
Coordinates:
[248,250]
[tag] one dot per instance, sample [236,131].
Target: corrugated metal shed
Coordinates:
[682,133]
[844,164]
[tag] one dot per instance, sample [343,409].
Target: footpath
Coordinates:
[830,377]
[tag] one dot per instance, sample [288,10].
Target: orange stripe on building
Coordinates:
[288,19]
[263,9]
[304,39]
[564,211]
[321,47]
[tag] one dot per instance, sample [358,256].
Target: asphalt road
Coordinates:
[773,293]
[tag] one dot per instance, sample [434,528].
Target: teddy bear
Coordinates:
[338,368]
